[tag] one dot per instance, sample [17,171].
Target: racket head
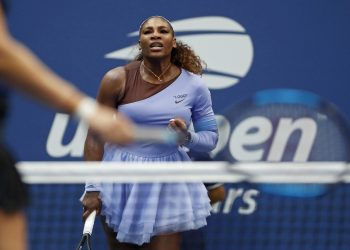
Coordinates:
[262,115]
[85,242]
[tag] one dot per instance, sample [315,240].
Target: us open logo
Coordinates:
[221,42]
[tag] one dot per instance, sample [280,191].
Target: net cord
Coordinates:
[258,172]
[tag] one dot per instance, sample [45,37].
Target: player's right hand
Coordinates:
[91,202]
[112,126]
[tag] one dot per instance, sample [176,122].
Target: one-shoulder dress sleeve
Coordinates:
[205,135]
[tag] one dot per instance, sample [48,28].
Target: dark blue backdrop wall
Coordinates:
[249,47]
[255,45]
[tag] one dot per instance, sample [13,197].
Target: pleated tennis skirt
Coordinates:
[138,211]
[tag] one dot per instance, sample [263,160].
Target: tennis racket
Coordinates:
[86,238]
[159,135]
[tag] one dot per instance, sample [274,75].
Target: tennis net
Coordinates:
[267,205]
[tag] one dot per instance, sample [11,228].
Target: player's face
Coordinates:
[156,38]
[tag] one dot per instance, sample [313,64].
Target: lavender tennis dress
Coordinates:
[138,211]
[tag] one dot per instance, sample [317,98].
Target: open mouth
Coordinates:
[156,45]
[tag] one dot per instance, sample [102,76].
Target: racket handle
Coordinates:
[89,223]
[158,134]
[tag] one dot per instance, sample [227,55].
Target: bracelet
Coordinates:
[86,109]
[188,138]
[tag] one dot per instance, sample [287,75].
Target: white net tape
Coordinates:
[257,172]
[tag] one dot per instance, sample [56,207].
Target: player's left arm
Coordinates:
[13,230]
[216,193]
[205,135]
[26,72]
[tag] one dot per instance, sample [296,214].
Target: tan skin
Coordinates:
[156,41]
[13,231]
[25,72]
[22,70]
[217,194]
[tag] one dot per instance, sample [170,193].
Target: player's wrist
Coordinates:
[86,109]
[93,192]
[187,138]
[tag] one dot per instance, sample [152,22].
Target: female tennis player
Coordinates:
[22,70]
[162,87]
